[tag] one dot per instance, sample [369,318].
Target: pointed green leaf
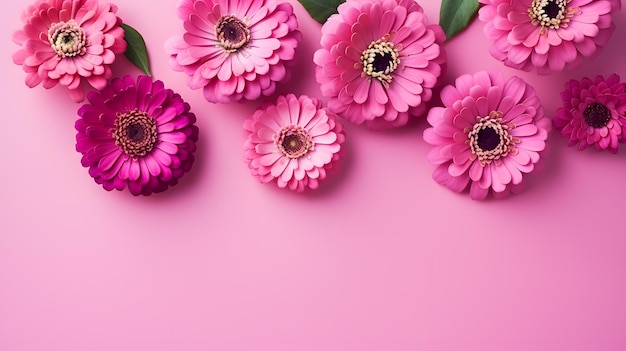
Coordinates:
[320,10]
[455,15]
[136,50]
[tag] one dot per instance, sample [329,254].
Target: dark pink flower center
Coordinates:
[380,60]
[232,33]
[597,115]
[67,39]
[489,139]
[135,132]
[294,141]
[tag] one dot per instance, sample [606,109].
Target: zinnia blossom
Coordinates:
[593,113]
[139,136]
[294,142]
[490,132]
[549,35]
[379,61]
[234,49]
[68,42]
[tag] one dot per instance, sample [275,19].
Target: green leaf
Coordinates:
[320,10]
[455,15]
[136,50]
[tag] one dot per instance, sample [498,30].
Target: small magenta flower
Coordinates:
[293,143]
[379,61]
[69,42]
[139,136]
[593,113]
[490,132]
[234,49]
[547,35]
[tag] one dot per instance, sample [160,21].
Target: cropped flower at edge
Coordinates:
[379,61]
[234,49]
[139,136]
[294,143]
[490,132]
[593,113]
[548,35]
[68,42]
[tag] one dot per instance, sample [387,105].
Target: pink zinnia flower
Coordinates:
[139,136]
[294,142]
[593,113]
[234,49]
[549,35]
[64,41]
[379,61]
[489,134]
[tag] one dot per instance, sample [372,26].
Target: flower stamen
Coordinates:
[294,141]
[597,115]
[135,132]
[489,139]
[67,39]
[552,14]
[380,59]
[232,33]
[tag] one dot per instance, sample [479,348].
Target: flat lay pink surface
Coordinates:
[380,257]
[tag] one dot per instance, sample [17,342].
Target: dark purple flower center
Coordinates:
[552,9]
[380,60]
[294,141]
[135,132]
[67,39]
[232,33]
[488,139]
[597,115]
[552,14]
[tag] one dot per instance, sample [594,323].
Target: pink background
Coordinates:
[381,258]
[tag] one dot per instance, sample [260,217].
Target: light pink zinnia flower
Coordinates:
[234,49]
[379,61]
[139,136]
[593,113]
[549,35]
[489,134]
[65,40]
[294,142]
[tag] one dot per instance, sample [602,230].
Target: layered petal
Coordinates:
[69,42]
[379,61]
[235,50]
[593,113]
[547,35]
[490,132]
[136,135]
[294,142]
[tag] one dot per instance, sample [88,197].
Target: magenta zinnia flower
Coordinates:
[294,142]
[234,49]
[549,35]
[379,61]
[593,113]
[139,136]
[489,134]
[68,42]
